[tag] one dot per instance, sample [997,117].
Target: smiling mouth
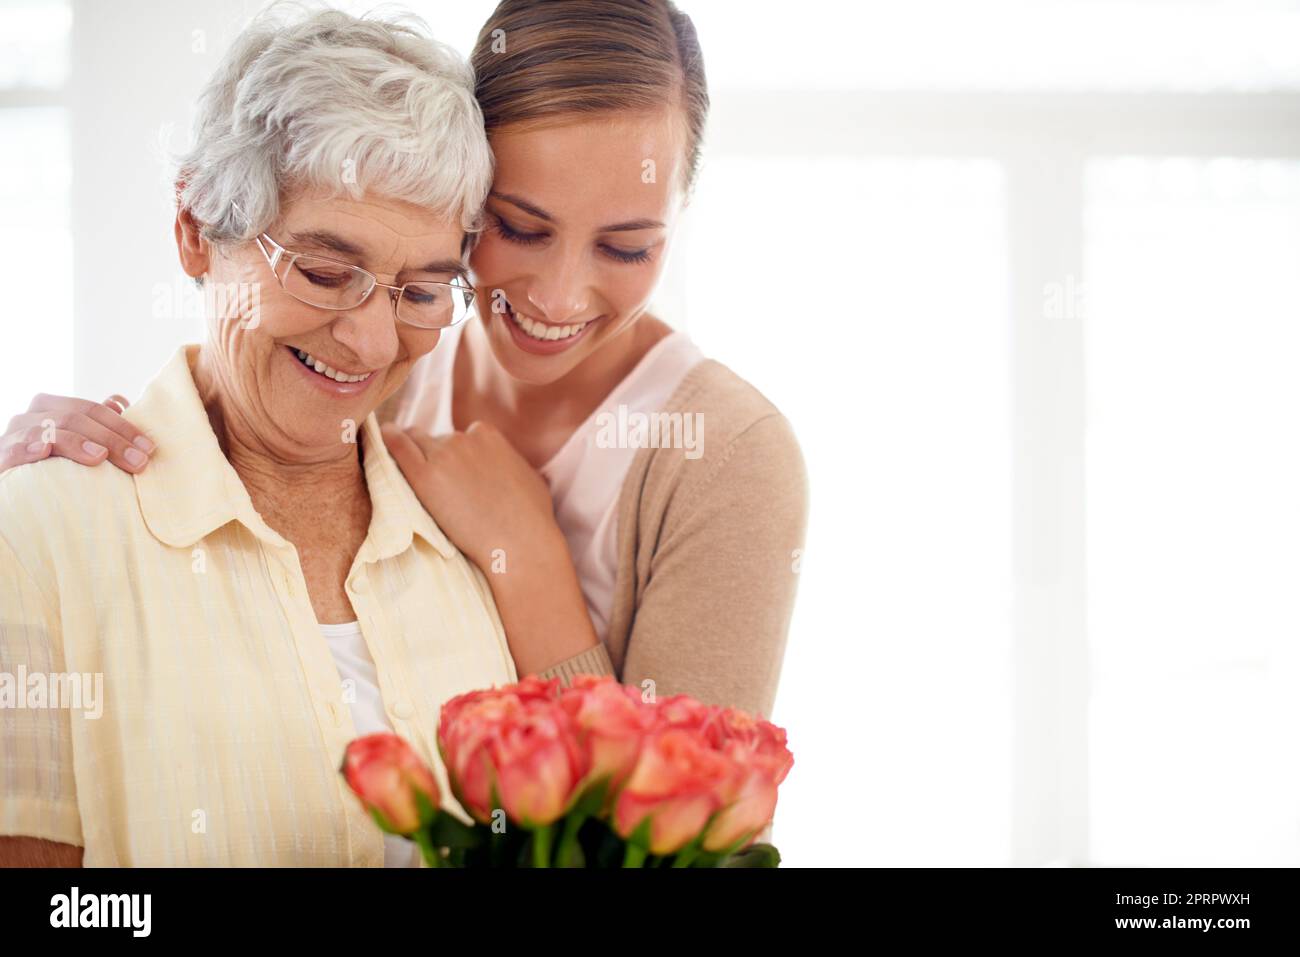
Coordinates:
[328,371]
[542,332]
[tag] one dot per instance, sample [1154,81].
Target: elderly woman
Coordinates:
[271,587]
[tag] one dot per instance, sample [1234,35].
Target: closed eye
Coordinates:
[324,276]
[626,255]
[513,235]
[509,233]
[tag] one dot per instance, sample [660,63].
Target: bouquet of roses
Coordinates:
[591,775]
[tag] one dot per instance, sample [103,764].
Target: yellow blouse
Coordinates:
[220,721]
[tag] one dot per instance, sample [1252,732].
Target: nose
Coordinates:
[370,330]
[560,291]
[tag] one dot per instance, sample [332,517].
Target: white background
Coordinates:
[1024,277]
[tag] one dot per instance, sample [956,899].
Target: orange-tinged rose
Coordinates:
[759,750]
[463,732]
[389,778]
[755,735]
[611,721]
[683,711]
[678,781]
[534,688]
[749,801]
[528,689]
[517,741]
[538,763]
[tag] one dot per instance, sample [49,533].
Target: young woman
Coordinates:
[668,560]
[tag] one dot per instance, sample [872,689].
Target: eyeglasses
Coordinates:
[333,284]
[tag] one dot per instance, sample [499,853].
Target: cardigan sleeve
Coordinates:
[714,612]
[593,661]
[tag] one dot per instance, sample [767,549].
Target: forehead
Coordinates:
[584,169]
[369,216]
[371,228]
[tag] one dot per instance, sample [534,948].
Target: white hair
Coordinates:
[320,99]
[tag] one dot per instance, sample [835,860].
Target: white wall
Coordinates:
[137,67]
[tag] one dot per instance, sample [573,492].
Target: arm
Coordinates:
[498,511]
[713,616]
[40,824]
[542,606]
[86,432]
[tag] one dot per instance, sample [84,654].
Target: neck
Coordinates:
[276,482]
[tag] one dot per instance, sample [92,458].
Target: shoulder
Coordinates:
[58,482]
[740,446]
[738,418]
[55,502]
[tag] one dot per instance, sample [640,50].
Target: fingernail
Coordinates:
[135,457]
[143,444]
[93,448]
[35,448]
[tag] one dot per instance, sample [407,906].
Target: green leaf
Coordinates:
[756,855]
[577,858]
[591,798]
[384,825]
[426,808]
[640,835]
[447,830]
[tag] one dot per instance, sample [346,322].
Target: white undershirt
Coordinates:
[354,663]
[584,478]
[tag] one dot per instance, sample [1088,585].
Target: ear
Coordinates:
[193,249]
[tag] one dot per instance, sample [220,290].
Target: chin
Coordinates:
[534,370]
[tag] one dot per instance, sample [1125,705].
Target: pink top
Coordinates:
[587,473]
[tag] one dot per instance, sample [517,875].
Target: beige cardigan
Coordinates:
[708,553]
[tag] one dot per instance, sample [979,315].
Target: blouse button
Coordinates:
[358,585]
[403,710]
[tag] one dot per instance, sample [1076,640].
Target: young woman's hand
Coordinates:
[482,493]
[78,429]
[496,508]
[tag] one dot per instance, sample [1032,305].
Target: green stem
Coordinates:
[572,824]
[634,856]
[687,855]
[432,855]
[542,845]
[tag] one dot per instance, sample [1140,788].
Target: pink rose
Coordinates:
[748,801]
[759,750]
[612,722]
[390,779]
[683,711]
[538,763]
[517,741]
[679,781]
[463,731]
[754,735]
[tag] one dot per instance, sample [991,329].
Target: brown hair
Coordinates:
[541,60]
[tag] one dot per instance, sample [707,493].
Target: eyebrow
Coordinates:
[534,210]
[455,266]
[336,243]
[326,240]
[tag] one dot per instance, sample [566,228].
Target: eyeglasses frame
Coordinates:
[395,292]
